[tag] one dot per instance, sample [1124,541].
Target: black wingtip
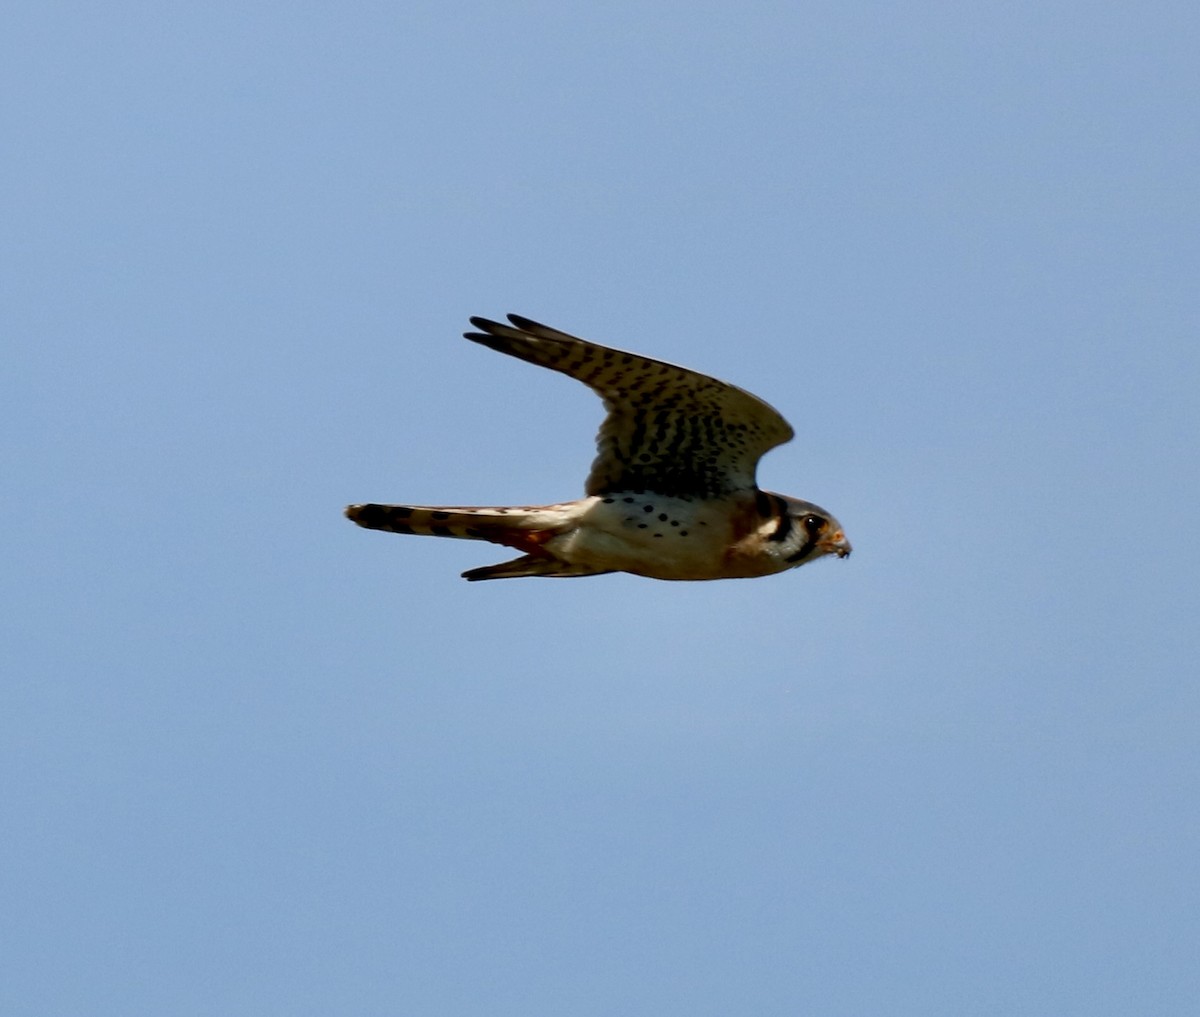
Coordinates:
[521,328]
[487,329]
[491,330]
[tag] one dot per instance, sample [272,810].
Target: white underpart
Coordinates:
[628,532]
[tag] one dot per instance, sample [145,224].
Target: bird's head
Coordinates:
[803,532]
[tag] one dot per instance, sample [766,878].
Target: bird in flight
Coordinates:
[671,494]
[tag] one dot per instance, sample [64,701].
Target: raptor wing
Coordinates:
[668,429]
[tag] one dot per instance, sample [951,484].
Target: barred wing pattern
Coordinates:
[668,430]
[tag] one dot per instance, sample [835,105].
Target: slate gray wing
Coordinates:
[668,429]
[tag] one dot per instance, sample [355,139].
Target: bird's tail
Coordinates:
[522,527]
[525,528]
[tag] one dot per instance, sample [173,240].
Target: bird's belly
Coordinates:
[650,535]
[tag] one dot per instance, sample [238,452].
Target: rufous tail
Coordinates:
[516,527]
[526,529]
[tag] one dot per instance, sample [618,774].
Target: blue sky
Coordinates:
[258,761]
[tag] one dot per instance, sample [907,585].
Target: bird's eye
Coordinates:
[814,525]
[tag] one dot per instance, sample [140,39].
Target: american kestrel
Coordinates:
[671,494]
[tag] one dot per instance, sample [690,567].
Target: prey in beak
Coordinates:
[835,543]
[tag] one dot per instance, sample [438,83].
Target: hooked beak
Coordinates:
[836,544]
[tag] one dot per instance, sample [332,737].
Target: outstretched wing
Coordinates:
[668,429]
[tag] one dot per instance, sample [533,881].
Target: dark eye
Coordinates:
[814,525]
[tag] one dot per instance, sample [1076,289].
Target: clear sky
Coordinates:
[257,761]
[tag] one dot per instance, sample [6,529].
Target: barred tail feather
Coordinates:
[499,525]
[527,529]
